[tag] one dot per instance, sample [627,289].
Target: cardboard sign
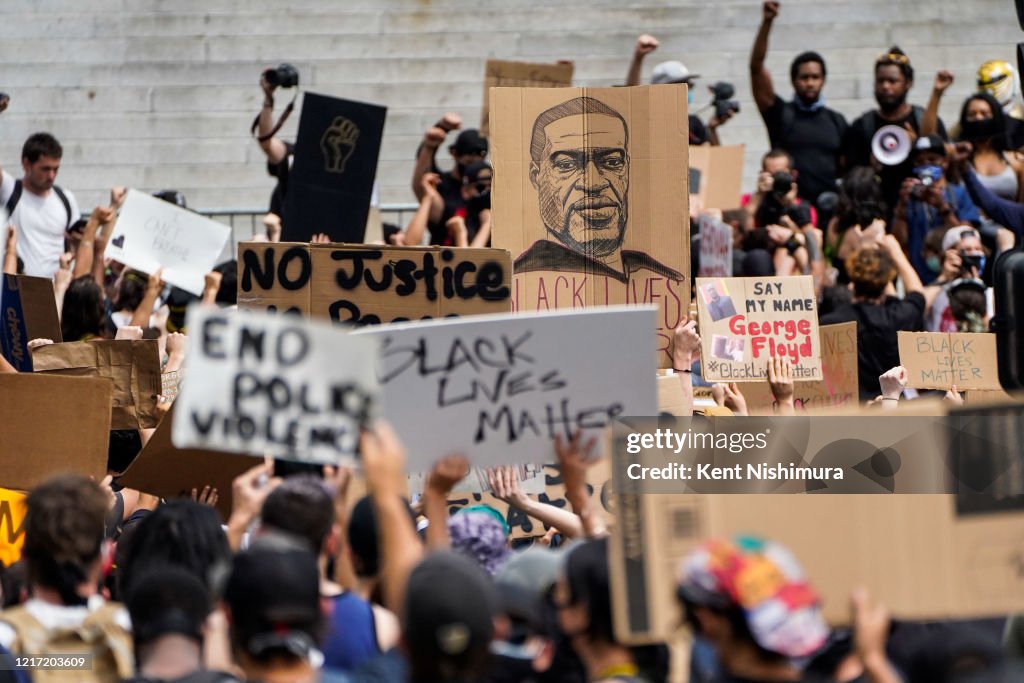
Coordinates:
[134,367]
[331,180]
[168,472]
[721,175]
[29,312]
[274,385]
[937,360]
[839,385]
[913,553]
[590,196]
[12,526]
[670,396]
[744,322]
[35,447]
[499,388]
[715,247]
[151,233]
[502,74]
[365,285]
[531,480]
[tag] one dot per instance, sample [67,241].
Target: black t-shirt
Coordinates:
[450,189]
[281,170]
[698,132]
[877,325]
[814,139]
[857,149]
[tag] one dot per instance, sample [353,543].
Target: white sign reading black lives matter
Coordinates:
[498,388]
[264,384]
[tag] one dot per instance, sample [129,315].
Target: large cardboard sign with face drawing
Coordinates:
[590,196]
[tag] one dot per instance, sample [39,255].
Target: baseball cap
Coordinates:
[470,141]
[671,72]
[274,595]
[449,608]
[954,235]
[525,581]
[764,581]
[930,143]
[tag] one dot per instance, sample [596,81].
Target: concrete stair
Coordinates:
[160,93]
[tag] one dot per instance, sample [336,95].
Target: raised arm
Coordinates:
[930,121]
[911,281]
[431,207]
[685,349]
[760,79]
[100,216]
[432,139]
[645,45]
[574,456]
[272,146]
[144,311]
[447,472]
[483,236]
[11,251]
[504,484]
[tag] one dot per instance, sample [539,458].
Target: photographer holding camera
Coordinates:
[676,72]
[807,129]
[279,153]
[958,300]
[927,200]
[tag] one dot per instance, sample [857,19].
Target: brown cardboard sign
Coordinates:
[937,360]
[29,312]
[504,74]
[368,284]
[134,366]
[913,553]
[721,175]
[591,199]
[168,472]
[50,425]
[744,322]
[670,396]
[838,386]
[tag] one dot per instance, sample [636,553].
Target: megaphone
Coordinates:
[891,145]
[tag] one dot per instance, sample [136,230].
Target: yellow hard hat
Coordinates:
[997,78]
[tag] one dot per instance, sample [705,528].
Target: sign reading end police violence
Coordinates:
[262,384]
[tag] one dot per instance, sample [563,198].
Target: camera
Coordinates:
[928,175]
[969,261]
[722,91]
[284,76]
[782,183]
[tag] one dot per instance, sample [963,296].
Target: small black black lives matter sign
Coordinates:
[331,180]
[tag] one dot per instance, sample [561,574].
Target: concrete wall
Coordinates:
[159,94]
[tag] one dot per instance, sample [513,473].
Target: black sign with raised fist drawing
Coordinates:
[331,180]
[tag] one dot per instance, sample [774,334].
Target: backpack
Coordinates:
[15,197]
[99,635]
[867,123]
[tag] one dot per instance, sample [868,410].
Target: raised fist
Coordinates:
[646,44]
[338,143]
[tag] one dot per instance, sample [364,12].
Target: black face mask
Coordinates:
[983,129]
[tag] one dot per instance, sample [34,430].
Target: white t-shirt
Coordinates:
[41,222]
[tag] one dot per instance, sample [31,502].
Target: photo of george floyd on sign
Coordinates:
[590,197]
[276,385]
[331,181]
[839,383]
[505,74]
[744,322]
[498,389]
[940,360]
[368,284]
[151,233]
[29,312]
[715,247]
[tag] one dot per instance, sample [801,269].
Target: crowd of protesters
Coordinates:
[303,583]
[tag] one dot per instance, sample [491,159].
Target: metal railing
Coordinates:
[245,223]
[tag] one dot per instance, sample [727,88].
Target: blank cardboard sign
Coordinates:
[937,360]
[590,197]
[168,472]
[504,74]
[50,425]
[369,284]
[721,175]
[744,322]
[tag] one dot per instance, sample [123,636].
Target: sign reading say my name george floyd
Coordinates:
[151,233]
[364,285]
[590,196]
[499,388]
[937,360]
[273,385]
[744,322]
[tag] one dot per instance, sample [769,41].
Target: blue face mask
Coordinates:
[933,263]
[929,175]
[689,95]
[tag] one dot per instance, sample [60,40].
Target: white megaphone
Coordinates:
[891,145]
